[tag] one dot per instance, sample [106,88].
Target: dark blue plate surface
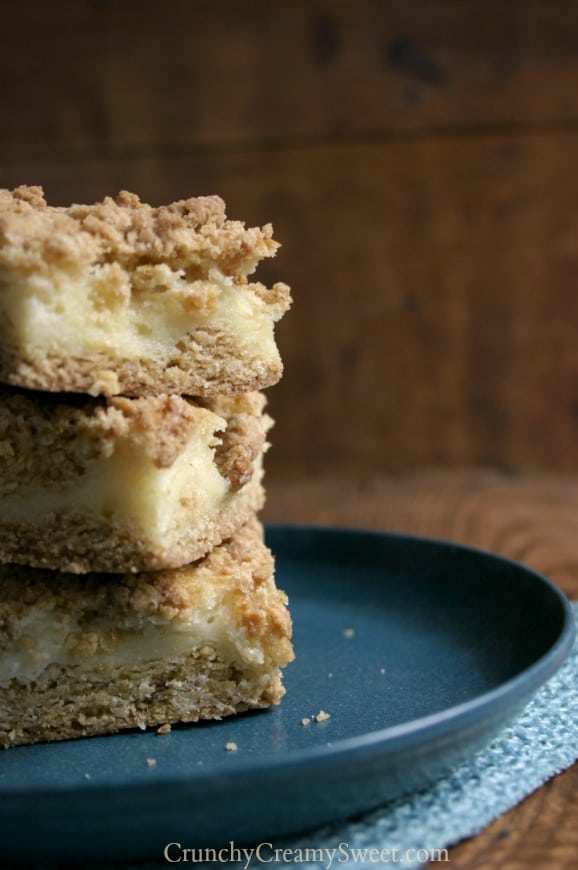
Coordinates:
[419,651]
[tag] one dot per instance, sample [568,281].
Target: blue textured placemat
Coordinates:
[541,742]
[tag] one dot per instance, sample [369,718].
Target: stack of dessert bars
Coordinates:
[135,586]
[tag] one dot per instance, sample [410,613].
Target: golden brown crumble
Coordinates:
[187,233]
[51,437]
[241,444]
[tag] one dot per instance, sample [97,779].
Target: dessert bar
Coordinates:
[119,297]
[96,654]
[119,484]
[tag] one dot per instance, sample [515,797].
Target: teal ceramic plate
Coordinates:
[418,650]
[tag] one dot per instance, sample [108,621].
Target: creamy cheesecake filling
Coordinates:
[131,488]
[76,313]
[47,639]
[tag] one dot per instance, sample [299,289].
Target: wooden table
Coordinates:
[531,518]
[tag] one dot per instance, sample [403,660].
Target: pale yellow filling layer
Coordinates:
[146,314]
[129,487]
[46,639]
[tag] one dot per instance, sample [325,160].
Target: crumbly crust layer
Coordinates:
[190,688]
[126,254]
[209,367]
[94,694]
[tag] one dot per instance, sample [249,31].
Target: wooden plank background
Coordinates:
[419,162]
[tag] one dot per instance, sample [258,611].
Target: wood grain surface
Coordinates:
[108,75]
[419,163]
[530,518]
[435,316]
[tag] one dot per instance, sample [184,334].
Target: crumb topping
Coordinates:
[185,234]
[243,439]
[76,430]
